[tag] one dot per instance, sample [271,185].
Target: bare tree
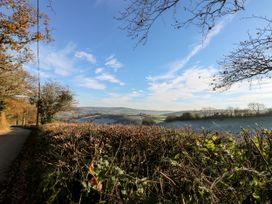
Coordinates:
[230,111]
[208,111]
[251,60]
[256,108]
[14,83]
[140,15]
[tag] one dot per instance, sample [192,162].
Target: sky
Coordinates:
[172,71]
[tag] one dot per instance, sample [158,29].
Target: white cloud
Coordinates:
[62,61]
[109,78]
[167,96]
[191,91]
[178,65]
[84,55]
[135,93]
[113,62]
[90,83]
[34,72]
[256,91]
[57,60]
[131,99]
[99,70]
[171,88]
[193,81]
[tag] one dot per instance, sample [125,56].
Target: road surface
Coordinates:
[11,143]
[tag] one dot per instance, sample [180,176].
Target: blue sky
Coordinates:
[172,71]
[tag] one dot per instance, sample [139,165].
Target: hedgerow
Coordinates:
[89,163]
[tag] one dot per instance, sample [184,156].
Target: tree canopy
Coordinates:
[15,82]
[53,99]
[18,19]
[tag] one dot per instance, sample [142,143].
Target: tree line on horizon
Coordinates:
[253,110]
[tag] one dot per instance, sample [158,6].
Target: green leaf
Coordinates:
[256,196]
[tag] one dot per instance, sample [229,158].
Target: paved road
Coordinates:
[10,146]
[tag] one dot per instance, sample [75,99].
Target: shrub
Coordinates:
[148,121]
[171,118]
[186,116]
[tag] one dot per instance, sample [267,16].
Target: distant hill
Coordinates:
[116,111]
[177,113]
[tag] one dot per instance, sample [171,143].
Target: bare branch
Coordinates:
[140,15]
[251,60]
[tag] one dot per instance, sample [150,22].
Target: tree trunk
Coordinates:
[23,119]
[3,121]
[17,120]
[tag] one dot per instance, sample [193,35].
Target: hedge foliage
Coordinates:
[89,163]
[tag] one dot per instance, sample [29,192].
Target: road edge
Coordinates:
[14,189]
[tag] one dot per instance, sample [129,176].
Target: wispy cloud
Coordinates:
[177,89]
[64,61]
[113,62]
[180,82]
[131,99]
[34,72]
[99,70]
[136,93]
[90,83]
[110,78]
[193,81]
[58,60]
[179,64]
[191,90]
[84,55]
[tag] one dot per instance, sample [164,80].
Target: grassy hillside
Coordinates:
[116,110]
[90,163]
